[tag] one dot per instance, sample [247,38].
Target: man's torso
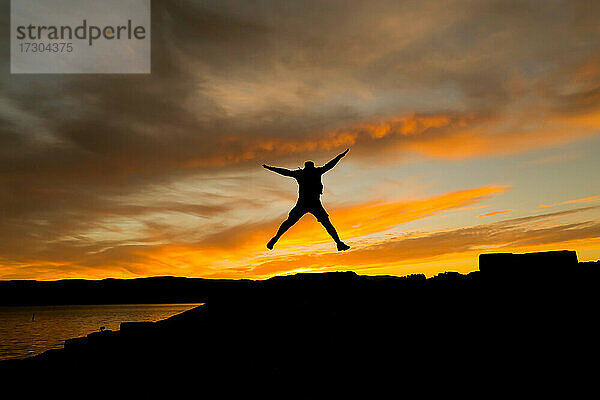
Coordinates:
[310,185]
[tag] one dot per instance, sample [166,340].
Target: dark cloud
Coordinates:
[234,83]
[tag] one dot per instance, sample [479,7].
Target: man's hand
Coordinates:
[344,153]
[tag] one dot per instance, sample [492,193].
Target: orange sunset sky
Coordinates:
[473,126]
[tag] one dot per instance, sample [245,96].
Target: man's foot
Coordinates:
[271,243]
[341,246]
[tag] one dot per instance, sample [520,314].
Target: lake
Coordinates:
[26,331]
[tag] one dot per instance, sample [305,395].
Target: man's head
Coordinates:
[309,165]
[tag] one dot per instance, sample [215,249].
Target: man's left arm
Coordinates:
[333,162]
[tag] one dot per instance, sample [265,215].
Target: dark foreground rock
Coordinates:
[335,334]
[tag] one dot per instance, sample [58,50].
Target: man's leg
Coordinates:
[330,229]
[293,217]
[323,218]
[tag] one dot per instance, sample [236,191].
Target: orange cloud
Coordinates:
[477,142]
[589,199]
[412,124]
[244,245]
[352,222]
[451,136]
[260,148]
[234,251]
[376,217]
[454,249]
[496,213]
[416,252]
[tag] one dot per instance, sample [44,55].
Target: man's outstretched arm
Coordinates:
[281,171]
[332,163]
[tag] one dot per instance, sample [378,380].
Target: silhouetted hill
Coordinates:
[168,289]
[497,330]
[114,291]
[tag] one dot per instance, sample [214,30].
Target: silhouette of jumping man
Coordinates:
[309,198]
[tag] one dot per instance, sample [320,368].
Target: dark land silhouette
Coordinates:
[523,323]
[310,189]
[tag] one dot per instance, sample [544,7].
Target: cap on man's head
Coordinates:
[309,164]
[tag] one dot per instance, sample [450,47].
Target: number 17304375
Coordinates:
[46,47]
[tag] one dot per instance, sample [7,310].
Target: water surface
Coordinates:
[26,331]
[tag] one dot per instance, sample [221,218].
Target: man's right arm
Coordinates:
[280,171]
